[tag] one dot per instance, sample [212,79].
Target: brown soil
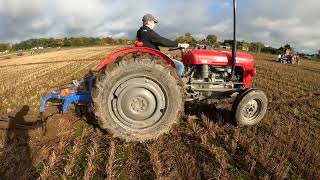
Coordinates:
[206,145]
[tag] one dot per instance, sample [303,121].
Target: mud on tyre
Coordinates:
[138,99]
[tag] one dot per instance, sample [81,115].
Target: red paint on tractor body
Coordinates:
[222,58]
[194,57]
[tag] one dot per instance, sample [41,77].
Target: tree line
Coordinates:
[211,41]
[65,42]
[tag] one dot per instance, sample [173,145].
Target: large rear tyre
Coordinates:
[138,100]
[250,107]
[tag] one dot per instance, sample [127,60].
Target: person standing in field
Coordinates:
[151,39]
[279,57]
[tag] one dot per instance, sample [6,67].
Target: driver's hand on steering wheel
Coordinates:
[183,45]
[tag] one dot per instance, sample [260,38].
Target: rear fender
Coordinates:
[111,58]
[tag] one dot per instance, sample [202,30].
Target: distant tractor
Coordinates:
[136,95]
[288,56]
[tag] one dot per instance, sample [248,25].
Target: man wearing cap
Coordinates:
[151,39]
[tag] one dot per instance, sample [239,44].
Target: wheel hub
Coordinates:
[251,109]
[137,102]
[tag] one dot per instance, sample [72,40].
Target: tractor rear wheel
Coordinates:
[250,107]
[138,100]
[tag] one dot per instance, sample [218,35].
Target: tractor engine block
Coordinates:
[207,81]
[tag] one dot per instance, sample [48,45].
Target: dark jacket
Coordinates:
[153,40]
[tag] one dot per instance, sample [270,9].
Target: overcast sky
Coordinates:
[273,22]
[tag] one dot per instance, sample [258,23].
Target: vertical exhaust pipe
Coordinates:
[234,48]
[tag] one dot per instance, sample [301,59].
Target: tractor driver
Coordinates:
[151,39]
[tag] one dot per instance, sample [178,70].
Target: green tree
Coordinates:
[212,40]
[187,38]
[67,42]
[77,42]
[5,47]
[256,47]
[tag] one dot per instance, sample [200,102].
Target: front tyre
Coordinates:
[250,107]
[138,100]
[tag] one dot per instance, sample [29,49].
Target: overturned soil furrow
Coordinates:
[139,162]
[116,167]
[164,159]
[76,159]
[206,145]
[96,157]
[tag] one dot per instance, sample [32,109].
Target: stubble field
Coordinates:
[206,145]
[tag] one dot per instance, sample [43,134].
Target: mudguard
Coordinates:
[111,58]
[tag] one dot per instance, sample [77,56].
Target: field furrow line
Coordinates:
[218,144]
[289,84]
[17,72]
[102,158]
[76,162]
[117,163]
[273,92]
[139,164]
[53,62]
[172,159]
[163,161]
[33,95]
[93,155]
[293,75]
[51,166]
[21,82]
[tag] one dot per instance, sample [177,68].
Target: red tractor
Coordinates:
[137,94]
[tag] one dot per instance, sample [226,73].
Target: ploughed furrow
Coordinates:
[80,53]
[266,150]
[290,136]
[26,84]
[40,71]
[212,136]
[50,165]
[139,163]
[292,79]
[15,160]
[273,91]
[315,97]
[289,73]
[97,157]
[116,167]
[29,154]
[75,158]
[9,72]
[172,158]
[33,95]
[164,160]
[54,62]
[22,81]
[292,87]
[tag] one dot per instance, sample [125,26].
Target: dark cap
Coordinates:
[149,17]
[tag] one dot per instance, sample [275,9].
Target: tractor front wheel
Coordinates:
[250,107]
[138,100]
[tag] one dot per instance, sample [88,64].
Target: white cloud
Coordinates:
[272,22]
[285,21]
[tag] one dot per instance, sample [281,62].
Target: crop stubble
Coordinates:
[205,145]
